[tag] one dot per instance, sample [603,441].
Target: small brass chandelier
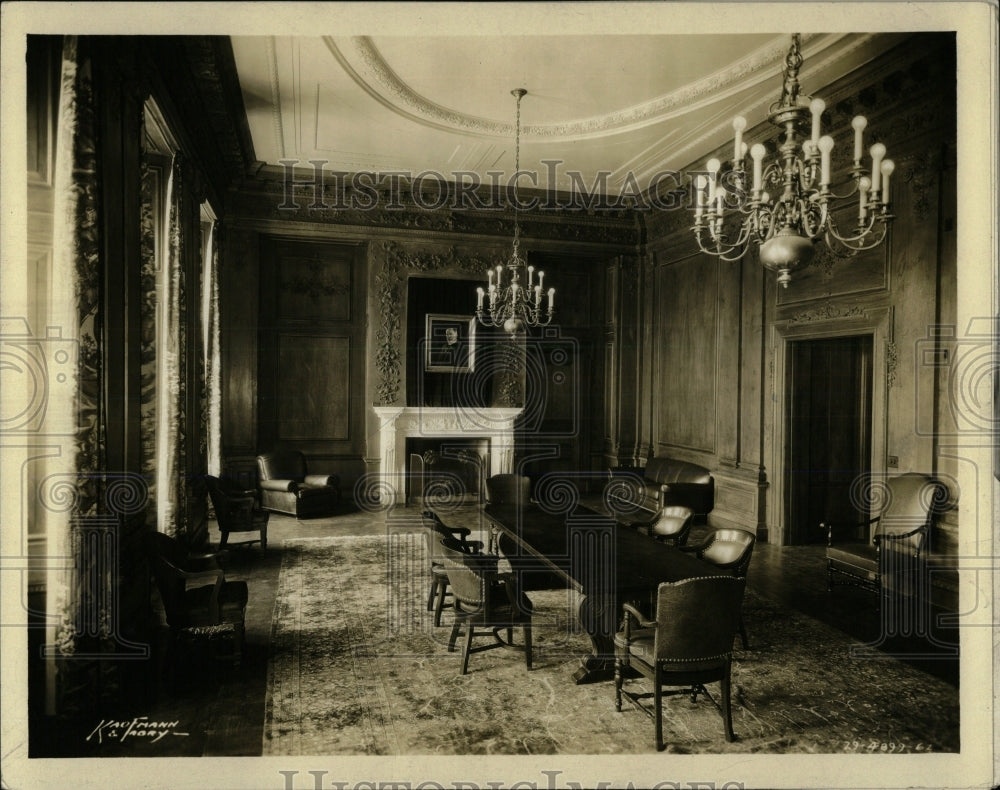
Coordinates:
[511,303]
[788,223]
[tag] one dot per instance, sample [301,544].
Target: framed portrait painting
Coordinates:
[449,343]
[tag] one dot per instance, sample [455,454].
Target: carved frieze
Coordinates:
[826,312]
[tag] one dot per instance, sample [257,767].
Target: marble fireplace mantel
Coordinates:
[398,423]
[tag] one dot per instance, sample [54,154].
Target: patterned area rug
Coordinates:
[357,667]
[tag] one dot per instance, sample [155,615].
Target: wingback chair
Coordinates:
[287,487]
[687,644]
[908,505]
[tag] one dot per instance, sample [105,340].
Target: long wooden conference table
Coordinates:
[607,563]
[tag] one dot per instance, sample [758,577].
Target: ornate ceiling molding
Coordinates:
[362,61]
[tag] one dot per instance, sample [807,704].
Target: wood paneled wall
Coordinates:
[720,331]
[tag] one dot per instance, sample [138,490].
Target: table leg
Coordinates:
[597,616]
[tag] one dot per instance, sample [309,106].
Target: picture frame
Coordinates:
[440,354]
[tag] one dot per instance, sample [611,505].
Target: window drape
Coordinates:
[211,384]
[75,481]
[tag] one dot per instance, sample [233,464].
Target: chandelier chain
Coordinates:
[510,301]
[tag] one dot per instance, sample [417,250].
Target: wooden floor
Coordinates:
[793,576]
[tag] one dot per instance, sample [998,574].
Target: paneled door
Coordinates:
[829,432]
[311,362]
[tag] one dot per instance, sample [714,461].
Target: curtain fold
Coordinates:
[211,384]
[149,264]
[170,367]
[76,479]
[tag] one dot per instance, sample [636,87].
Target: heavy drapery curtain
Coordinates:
[163,344]
[74,485]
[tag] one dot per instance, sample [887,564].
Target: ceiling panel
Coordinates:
[600,104]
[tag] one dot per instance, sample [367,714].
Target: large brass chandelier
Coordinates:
[511,302]
[787,222]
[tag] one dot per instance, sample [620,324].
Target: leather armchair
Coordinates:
[287,487]
[434,530]
[486,602]
[673,526]
[730,550]
[687,644]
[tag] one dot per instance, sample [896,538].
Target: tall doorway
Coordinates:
[829,436]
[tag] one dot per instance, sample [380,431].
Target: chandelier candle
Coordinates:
[787,227]
[515,305]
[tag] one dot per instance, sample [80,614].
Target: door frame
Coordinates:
[876,323]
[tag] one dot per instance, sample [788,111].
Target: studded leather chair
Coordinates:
[731,550]
[687,644]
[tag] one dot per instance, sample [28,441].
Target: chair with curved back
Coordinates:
[687,644]
[485,602]
[287,487]
[434,530]
[728,549]
[898,532]
[200,605]
[236,510]
[673,525]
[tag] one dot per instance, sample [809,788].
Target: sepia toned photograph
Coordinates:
[712,503]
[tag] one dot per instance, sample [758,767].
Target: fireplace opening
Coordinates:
[452,468]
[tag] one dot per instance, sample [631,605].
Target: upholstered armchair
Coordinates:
[236,510]
[907,507]
[687,644]
[287,487]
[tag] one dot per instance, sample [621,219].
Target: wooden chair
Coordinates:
[730,550]
[687,644]
[201,607]
[485,602]
[236,511]
[909,503]
[434,530]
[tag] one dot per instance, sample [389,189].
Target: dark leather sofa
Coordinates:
[639,494]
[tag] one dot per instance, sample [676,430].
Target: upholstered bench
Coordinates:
[637,495]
